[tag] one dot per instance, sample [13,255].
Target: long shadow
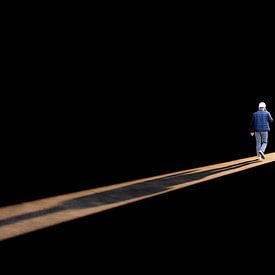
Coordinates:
[134,191]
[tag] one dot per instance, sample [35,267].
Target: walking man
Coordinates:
[260,128]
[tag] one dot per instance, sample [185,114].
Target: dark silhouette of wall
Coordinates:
[69,144]
[117,107]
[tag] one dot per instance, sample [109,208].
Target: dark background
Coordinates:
[96,100]
[100,96]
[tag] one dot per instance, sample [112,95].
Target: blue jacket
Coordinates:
[260,121]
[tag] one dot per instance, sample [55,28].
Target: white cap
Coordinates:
[262,105]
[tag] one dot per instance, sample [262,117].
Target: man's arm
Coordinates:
[270,117]
[252,126]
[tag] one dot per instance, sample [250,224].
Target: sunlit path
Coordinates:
[27,217]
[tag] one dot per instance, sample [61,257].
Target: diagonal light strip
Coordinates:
[30,216]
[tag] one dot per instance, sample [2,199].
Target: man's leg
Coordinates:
[264,137]
[258,143]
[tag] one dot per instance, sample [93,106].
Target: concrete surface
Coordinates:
[27,217]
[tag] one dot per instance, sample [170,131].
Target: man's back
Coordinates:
[260,121]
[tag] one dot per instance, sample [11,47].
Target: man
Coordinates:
[259,128]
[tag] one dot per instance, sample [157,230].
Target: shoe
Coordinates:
[262,154]
[259,158]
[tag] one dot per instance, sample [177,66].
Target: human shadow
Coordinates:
[130,192]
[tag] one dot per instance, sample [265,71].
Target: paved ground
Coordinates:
[23,218]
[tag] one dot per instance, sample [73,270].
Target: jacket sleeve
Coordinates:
[252,124]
